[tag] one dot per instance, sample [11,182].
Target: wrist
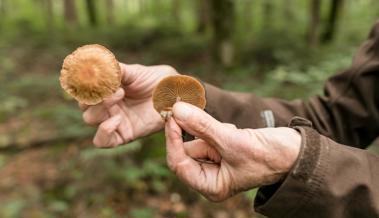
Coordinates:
[282,148]
[293,144]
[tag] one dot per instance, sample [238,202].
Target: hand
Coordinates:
[243,158]
[128,114]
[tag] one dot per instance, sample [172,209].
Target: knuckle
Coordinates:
[135,65]
[204,126]
[249,133]
[88,118]
[114,99]
[231,126]
[215,197]
[82,106]
[105,129]
[128,139]
[168,69]
[97,143]
[112,145]
[171,164]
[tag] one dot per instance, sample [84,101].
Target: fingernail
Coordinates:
[182,111]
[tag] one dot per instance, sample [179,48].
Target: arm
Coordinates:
[327,180]
[348,112]
[301,173]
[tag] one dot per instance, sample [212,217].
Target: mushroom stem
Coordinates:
[166,114]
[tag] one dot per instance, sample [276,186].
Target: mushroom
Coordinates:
[90,74]
[177,88]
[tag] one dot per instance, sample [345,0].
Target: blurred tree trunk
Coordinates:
[332,22]
[110,11]
[142,6]
[268,8]
[223,23]
[203,8]
[70,15]
[176,10]
[288,11]
[91,12]
[248,13]
[314,23]
[48,7]
[2,13]
[156,8]
[3,4]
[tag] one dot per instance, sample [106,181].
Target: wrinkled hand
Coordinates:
[243,158]
[128,114]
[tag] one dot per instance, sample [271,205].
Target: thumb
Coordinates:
[200,124]
[187,169]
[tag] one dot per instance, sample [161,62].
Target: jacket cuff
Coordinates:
[302,183]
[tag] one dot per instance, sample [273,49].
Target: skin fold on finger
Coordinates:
[106,135]
[114,98]
[109,101]
[95,114]
[200,124]
[128,73]
[82,106]
[125,127]
[115,141]
[199,149]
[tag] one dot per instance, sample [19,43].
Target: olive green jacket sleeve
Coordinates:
[348,112]
[329,178]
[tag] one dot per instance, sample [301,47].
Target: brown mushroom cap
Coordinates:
[90,74]
[178,88]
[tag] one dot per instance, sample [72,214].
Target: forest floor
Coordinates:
[47,182]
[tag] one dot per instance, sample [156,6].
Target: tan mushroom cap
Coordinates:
[90,74]
[178,88]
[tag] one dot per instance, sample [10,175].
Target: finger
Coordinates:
[82,106]
[199,149]
[114,98]
[200,124]
[129,72]
[95,114]
[106,135]
[125,127]
[187,169]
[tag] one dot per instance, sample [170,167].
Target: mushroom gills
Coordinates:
[177,88]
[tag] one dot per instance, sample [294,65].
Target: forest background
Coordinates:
[48,165]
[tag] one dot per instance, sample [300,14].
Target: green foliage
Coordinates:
[107,212]
[142,213]
[12,209]
[272,59]
[3,159]
[93,153]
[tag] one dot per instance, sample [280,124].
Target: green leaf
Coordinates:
[142,213]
